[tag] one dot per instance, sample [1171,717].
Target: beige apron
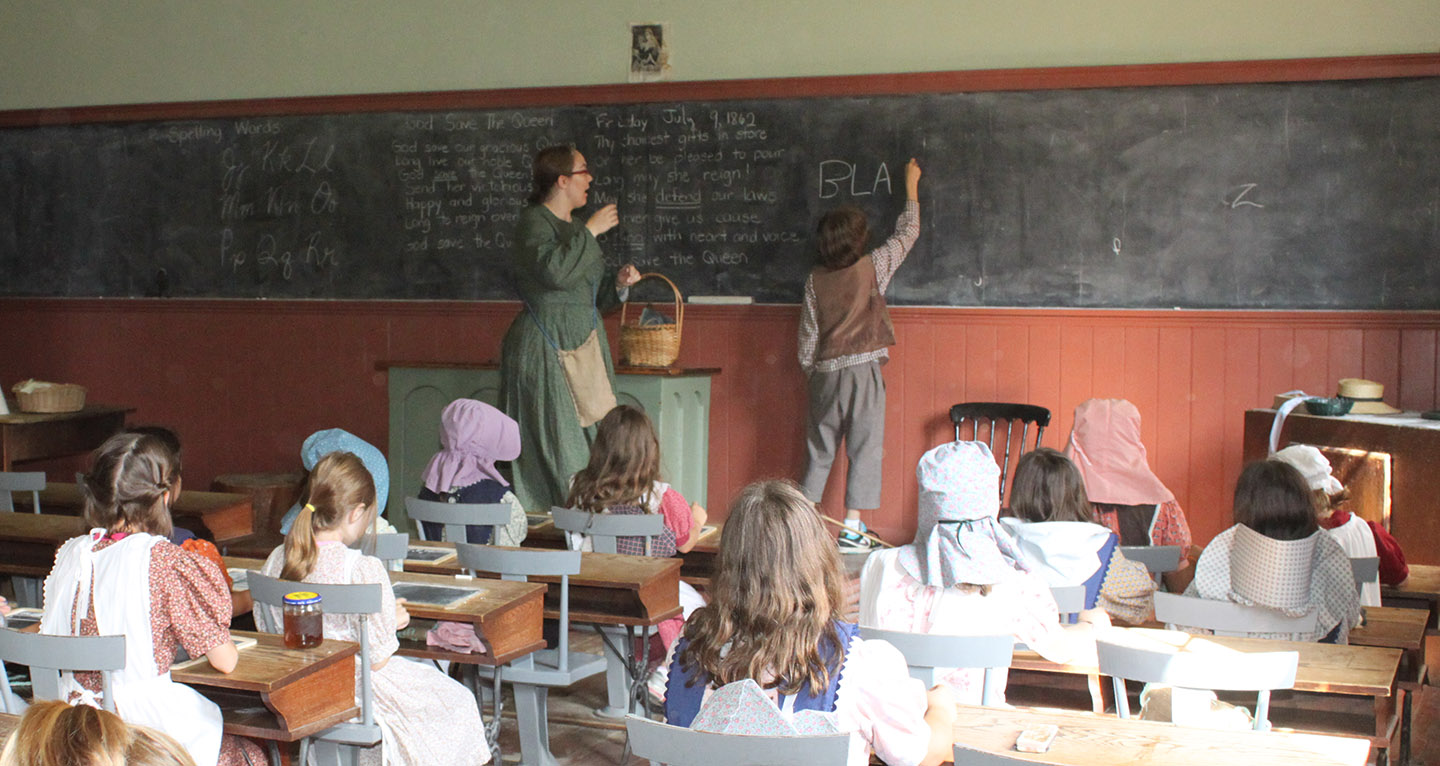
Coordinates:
[584,368]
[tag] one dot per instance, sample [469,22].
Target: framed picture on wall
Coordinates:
[649,52]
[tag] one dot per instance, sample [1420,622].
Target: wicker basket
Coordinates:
[52,397]
[652,345]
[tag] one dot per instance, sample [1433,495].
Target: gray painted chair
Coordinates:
[603,528]
[1225,618]
[1157,559]
[532,676]
[341,743]
[454,517]
[48,655]
[1259,672]
[20,481]
[625,677]
[1366,570]
[678,746]
[391,547]
[929,654]
[1070,599]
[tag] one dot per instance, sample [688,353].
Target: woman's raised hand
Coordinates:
[628,275]
[603,220]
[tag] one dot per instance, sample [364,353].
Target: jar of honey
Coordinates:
[304,620]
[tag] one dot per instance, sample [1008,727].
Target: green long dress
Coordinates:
[557,268]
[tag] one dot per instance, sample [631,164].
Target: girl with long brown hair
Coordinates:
[1052,523]
[776,617]
[425,717]
[126,578]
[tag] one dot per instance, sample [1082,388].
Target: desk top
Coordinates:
[227,515]
[1094,740]
[1423,582]
[90,411]
[279,693]
[23,526]
[1409,419]
[507,615]
[8,723]
[1391,626]
[611,589]
[1368,671]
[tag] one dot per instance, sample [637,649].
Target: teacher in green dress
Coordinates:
[556,376]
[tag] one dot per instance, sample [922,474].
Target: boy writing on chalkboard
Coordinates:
[844,334]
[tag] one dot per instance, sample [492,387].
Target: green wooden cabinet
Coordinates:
[678,403]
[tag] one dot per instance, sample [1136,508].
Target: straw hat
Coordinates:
[1369,397]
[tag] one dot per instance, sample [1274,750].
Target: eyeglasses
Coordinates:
[580,172]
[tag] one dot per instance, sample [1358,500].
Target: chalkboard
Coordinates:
[1304,195]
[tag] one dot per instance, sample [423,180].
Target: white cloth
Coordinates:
[120,577]
[1331,584]
[957,540]
[1358,542]
[1062,552]
[1313,465]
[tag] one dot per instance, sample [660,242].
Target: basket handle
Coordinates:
[679,305]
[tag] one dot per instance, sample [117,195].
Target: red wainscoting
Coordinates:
[245,381]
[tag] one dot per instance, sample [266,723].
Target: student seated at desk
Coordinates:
[623,477]
[1359,537]
[473,435]
[1277,556]
[776,616]
[1052,524]
[126,578]
[425,716]
[1128,497]
[963,574]
[322,443]
[56,734]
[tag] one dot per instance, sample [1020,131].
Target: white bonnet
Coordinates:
[1311,464]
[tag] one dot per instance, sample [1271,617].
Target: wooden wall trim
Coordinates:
[943,316]
[1046,78]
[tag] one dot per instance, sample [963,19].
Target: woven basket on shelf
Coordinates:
[651,345]
[53,397]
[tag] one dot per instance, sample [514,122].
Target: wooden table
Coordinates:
[35,436]
[507,615]
[8,724]
[219,516]
[1093,740]
[1356,671]
[696,567]
[1421,589]
[277,693]
[1413,444]
[28,541]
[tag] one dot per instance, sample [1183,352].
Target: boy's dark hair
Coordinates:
[1273,499]
[842,235]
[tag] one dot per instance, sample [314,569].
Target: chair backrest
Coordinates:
[362,600]
[48,655]
[1366,570]
[928,654]
[969,756]
[455,516]
[521,563]
[1231,671]
[1226,618]
[1156,558]
[1070,600]
[604,528]
[391,547]
[993,413]
[21,481]
[678,746]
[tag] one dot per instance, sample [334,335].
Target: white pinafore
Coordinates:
[120,576]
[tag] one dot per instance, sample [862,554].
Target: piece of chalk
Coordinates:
[721,300]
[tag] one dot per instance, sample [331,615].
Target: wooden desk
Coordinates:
[219,516]
[28,541]
[302,691]
[696,567]
[635,591]
[1413,444]
[507,615]
[1357,671]
[1421,589]
[1088,740]
[35,436]
[8,724]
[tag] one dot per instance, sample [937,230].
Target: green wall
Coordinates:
[78,52]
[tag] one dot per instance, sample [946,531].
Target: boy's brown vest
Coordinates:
[850,311]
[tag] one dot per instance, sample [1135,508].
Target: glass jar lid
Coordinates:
[301,598]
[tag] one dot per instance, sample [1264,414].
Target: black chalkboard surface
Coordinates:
[1304,195]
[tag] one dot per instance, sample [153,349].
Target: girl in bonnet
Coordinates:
[473,435]
[1277,557]
[963,574]
[1128,497]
